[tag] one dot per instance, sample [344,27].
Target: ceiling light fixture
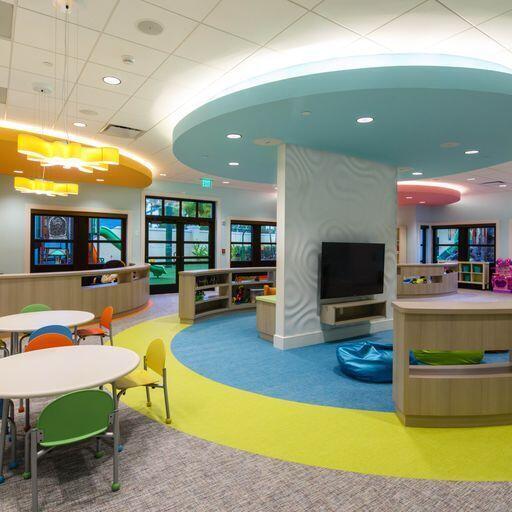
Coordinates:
[472,152]
[365,120]
[233,136]
[100,179]
[423,202]
[111,80]
[67,154]
[163,174]
[234,164]
[80,124]
[408,197]
[18,172]
[471,179]
[226,182]
[503,185]
[417,173]
[44,187]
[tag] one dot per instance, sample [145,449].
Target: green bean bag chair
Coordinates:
[438,357]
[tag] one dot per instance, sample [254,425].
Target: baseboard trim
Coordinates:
[339,333]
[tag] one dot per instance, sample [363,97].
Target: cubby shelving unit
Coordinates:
[474,272]
[434,279]
[221,290]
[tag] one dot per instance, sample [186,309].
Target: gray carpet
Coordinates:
[165,470]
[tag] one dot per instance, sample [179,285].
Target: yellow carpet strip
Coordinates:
[330,437]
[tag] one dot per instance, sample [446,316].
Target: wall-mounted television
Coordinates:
[351,269]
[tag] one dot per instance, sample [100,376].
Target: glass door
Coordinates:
[196,246]
[161,240]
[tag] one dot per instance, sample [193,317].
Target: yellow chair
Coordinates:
[155,361]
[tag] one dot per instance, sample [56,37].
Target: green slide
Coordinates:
[108,234]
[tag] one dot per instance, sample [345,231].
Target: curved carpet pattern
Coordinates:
[331,437]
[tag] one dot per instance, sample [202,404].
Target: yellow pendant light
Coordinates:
[67,154]
[44,187]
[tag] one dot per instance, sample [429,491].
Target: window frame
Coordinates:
[80,242]
[255,243]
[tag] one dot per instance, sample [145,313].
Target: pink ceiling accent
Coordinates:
[435,195]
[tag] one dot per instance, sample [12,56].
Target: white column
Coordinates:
[327,197]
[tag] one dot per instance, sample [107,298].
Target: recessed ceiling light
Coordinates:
[226,182]
[408,197]
[111,80]
[88,112]
[275,188]
[18,172]
[365,120]
[100,179]
[234,164]
[448,145]
[306,113]
[472,152]
[233,136]
[163,174]
[423,202]
[471,179]
[80,124]
[417,173]
[502,185]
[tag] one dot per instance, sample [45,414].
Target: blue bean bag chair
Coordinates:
[370,361]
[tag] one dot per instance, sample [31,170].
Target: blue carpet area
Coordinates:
[227,349]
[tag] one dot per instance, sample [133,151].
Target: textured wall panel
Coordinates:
[327,197]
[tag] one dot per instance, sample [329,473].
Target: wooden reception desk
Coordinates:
[73,290]
[452,396]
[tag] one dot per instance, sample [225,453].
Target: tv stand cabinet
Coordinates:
[356,312]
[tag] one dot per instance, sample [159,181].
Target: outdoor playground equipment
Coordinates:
[502,278]
[108,234]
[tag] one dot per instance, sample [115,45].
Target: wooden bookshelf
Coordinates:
[223,285]
[474,272]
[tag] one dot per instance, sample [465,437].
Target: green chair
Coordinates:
[71,418]
[11,430]
[34,308]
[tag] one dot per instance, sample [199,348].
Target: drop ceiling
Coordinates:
[209,45]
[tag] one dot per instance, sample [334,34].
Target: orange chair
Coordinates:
[47,340]
[104,328]
[268,290]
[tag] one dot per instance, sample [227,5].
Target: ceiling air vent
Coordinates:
[123,132]
[3,95]
[495,183]
[6,11]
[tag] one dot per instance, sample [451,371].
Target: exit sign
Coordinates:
[206,182]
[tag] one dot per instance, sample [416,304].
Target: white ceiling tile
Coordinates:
[503,57]
[5,52]
[215,48]
[363,46]
[478,11]
[47,33]
[165,96]
[92,13]
[363,16]
[3,109]
[44,62]
[23,115]
[470,42]
[93,127]
[154,140]
[48,108]
[256,20]
[408,31]
[127,15]
[138,113]
[262,62]
[110,51]
[196,9]
[93,75]
[312,36]
[499,28]
[186,72]
[98,97]
[30,82]
[91,113]
[4,76]
[308,4]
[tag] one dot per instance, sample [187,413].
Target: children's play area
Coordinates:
[257,255]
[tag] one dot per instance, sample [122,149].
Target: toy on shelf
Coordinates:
[502,278]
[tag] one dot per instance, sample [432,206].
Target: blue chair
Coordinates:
[52,329]
[369,361]
[11,429]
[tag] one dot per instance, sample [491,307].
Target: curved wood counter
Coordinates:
[435,279]
[452,395]
[73,290]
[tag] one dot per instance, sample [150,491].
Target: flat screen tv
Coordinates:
[351,270]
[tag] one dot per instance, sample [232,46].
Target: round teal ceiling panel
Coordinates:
[428,112]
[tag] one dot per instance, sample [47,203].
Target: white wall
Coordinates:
[326,197]
[407,219]
[15,209]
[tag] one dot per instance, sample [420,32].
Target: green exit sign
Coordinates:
[206,182]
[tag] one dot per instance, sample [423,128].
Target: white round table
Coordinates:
[29,322]
[55,371]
